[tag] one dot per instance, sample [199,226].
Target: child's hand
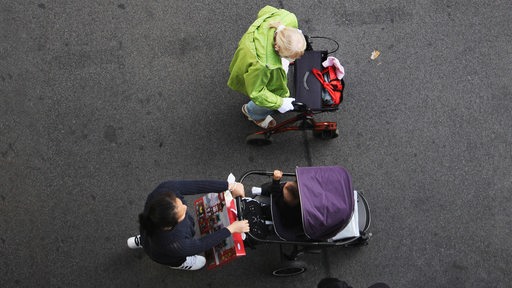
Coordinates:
[278,175]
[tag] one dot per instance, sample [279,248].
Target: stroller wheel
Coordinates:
[290,268]
[326,134]
[258,140]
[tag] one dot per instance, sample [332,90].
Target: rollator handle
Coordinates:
[299,106]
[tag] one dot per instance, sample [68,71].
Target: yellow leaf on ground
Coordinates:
[375,54]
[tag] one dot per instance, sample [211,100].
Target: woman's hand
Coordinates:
[239,227]
[237,189]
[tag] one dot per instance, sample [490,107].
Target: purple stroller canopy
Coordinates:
[327,200]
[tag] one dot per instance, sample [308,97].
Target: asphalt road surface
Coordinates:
[102,100]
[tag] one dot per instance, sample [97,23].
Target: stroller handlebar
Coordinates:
[238,202]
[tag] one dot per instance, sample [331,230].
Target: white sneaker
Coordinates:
[134,242]
[195,262]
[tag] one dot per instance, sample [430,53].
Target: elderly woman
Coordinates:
[260,64]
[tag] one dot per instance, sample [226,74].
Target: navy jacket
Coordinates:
[172,247]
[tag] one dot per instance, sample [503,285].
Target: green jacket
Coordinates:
[256,69]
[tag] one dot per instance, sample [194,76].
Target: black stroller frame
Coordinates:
[290,263]
[304,120]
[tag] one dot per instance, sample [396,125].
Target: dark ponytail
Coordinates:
[160,214]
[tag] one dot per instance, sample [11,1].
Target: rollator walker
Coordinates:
[310,100]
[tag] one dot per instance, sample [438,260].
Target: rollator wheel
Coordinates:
[258,140]
[326,134]
[290,268]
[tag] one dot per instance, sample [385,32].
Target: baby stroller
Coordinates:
[310,99]
[333,214]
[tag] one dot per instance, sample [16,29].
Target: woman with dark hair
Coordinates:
[167,230]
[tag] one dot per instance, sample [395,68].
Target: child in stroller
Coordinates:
[286,196]
[271,198]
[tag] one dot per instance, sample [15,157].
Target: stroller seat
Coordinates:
[286,232]
[265,221]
